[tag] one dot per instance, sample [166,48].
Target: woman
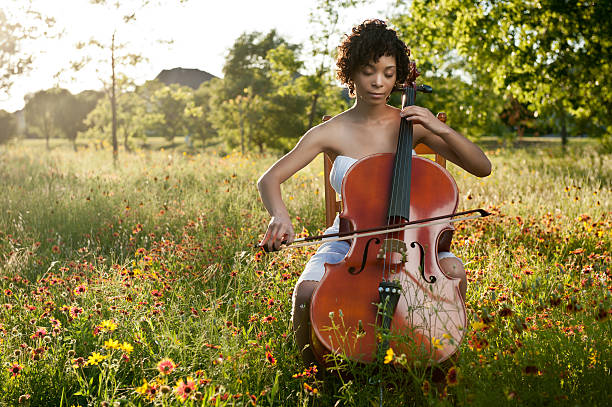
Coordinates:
[371,62]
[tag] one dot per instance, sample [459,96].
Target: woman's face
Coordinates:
[375,81]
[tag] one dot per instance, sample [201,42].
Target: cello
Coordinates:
[390,284]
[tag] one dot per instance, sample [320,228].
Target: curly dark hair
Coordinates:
[368,42]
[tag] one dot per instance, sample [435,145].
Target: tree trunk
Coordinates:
[114,102]
[125,141]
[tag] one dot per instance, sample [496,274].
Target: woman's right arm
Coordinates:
[280,228]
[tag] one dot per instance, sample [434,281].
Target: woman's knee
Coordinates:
[303,294]
[453,267]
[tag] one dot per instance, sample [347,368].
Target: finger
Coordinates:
[290,237]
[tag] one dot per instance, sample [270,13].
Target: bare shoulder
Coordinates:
[329,134]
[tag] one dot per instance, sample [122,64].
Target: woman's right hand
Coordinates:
[280,230]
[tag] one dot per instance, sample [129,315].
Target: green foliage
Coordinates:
[56,112]
[553,56]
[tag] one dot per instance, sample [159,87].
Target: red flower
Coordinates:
[452,377]
[270,358]
[268,319]
[185,389]
[166,366]
[15,369]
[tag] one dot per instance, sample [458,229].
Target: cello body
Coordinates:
[429,321]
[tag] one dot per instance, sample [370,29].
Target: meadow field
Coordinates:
[140,284]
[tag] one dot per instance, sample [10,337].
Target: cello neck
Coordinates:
[399,206]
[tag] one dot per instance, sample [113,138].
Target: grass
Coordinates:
[140,284]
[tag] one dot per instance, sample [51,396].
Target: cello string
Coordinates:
[397,169]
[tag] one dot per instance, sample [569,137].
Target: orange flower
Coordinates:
[452,377]
[270,358]
[15,370]
[185,389]
[166,366]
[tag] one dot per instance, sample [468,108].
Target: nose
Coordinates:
[377,81]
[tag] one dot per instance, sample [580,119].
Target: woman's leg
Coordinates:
[301,318]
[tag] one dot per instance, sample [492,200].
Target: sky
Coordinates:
[200,31]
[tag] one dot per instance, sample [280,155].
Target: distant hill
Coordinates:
[185,77]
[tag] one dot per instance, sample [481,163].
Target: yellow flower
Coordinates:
[143,389]
[478,325]
[95,358]
[126,347]
[436,343]
[389,356]
[112,344]
[109,325]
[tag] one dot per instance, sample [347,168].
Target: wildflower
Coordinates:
[143,388]
[108,325]
[95,358]
[184,389]
[268,319]
[436,343]
[452,377]
[389,356]
[80,289]
[78,362]
[40,332]
[270,358]
[126,347]
[112,344]
[426,387]
[75,311]
[166,366]
[15,370]
[55,249]
[479,326]
[310,389]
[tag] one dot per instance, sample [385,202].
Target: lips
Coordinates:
[376,95]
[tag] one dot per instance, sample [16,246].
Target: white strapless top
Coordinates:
[341,165]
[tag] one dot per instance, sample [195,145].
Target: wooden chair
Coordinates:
[333,205]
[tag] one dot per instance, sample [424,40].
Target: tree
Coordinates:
[173,107]
[200,125]
[247,65]
[120,56]
[43,110]
[72,111]
[8,126]
[553,55]
[323,44]
[19,23]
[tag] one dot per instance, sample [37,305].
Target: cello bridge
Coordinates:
[394,250]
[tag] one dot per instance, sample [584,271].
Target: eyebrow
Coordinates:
[386,67]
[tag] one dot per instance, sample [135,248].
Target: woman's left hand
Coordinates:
[424,117]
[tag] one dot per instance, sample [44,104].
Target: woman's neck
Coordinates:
[368,112]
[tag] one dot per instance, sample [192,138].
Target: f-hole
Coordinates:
[431,279]
[351,269]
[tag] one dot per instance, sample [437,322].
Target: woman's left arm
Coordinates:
[446,141]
